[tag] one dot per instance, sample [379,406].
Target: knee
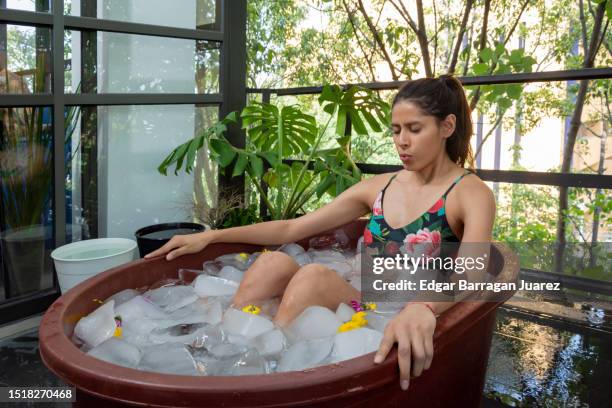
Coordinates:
[270,261]
[272,264]
[311,276]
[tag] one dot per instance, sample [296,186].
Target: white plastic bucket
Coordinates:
[80,260]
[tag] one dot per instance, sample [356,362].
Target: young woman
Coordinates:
[431,131]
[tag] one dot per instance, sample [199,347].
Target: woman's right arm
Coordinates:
[349,205]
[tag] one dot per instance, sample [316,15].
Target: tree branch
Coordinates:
[421,35]
[466,16]
[350,17]
[378,39]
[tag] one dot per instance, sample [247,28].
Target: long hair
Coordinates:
[440,97]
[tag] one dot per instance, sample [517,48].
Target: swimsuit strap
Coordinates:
[465,173]
[389,182]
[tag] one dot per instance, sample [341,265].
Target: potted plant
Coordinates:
[277,132]
[26,189]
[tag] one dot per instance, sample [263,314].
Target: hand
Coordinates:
[413,330]
[183,244]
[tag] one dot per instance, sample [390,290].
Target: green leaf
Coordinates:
[481,69]
[256,164]
[504,102]
[271,178]
[225,152]
[486,54]
[514,90]
[270,157]
[240,164]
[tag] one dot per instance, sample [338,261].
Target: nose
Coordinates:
[403,139]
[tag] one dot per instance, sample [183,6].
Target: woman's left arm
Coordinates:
[414,326]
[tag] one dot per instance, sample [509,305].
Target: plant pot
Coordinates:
[26,259]
[155,236]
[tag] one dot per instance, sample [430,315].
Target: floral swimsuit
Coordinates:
[432,226]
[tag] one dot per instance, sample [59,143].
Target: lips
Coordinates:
[405,157]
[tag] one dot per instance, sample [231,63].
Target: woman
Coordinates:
[432,127]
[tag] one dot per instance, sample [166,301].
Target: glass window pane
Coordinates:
[193,14]
[114,186]
[26,199]
[106,62]
[25,63]
[27,5]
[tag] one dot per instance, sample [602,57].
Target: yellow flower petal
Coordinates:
[251,309]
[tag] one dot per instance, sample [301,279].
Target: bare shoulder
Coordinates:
[474,194]
[372,185]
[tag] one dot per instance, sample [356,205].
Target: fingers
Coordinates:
[385,345]
[176,253]
[404,353]
[429,351]
[418,354]
[173,243]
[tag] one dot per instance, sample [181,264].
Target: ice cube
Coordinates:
[355,282]
[326,255]
[250,363]
[354,343]
[378,321]
[212,267]
[391,308]
[303,259]
[187,276]
[196,312]
[345,312]
[118,352]
[225,350]
[123,296]
[137,331]
[355,262]
[238,340]
[231,273]
[137,308]
[291,249]
[343,269]
[98,326]
[271,343]
[305,354]
[313,322]
[245,324]
[171,298]
[270,306]
[214,286]
[359,246]
[252,258]
[183,333]
[169,358]
[208,337]
[238,260]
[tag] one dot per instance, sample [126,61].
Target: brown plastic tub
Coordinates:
[455,378]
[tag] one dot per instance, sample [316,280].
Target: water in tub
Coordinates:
[191,329]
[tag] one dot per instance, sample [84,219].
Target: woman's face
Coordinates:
[418,138]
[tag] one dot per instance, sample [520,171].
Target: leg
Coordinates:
[314,284]
[266,278]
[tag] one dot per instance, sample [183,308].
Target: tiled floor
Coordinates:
[533,363]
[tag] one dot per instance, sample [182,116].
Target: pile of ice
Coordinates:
[191,329]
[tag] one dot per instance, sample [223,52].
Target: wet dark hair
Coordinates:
[440,97]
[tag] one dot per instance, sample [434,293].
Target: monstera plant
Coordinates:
[276,133]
